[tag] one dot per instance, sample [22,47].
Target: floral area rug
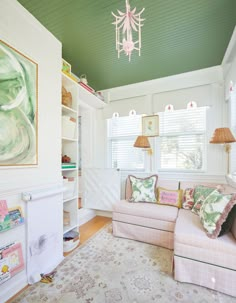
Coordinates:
[112,270]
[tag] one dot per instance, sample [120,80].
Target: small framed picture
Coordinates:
[66,67]
[150,126]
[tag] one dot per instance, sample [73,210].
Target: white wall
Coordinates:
[229,74]
[203,86]
[22,31]
[229,65]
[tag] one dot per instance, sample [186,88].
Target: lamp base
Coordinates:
[227,149]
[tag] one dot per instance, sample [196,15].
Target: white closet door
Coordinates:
[101,188]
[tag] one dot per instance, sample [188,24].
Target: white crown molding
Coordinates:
[185,80]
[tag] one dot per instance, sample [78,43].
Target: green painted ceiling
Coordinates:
[178,36]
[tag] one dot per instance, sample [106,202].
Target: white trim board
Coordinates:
[18,282]
[175,82]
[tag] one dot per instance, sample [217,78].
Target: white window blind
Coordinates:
[183,139]
[232,115]
[122,133]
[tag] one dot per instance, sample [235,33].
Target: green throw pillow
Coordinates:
[214,212]
[200,194]
[143,190]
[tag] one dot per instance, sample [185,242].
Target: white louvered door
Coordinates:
[101,188]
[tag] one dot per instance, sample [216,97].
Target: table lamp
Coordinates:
[143,142]
[223,136]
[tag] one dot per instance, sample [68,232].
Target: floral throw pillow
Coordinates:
[200,194]
[143,189]
[188,200]
[215,211]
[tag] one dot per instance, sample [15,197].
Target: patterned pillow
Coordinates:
[188,201]
[143,189]
[200,194]
[170,197]
[214,212]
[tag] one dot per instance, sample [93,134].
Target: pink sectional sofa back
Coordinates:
[226,189]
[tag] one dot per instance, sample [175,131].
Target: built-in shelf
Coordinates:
[88,99]
[13,227]
[70,149]
[69,227]
[69,199]
[66,169]
[67,80]
[68,110]
[69,139]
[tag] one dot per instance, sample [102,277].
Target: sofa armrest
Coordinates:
[233,229]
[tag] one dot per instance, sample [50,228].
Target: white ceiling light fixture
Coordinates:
[128,30]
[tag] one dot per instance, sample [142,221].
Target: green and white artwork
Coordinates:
[18,108]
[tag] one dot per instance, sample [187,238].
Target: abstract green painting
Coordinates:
[18,108]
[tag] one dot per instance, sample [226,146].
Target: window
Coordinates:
[232,116]
[122,133]
[183,139]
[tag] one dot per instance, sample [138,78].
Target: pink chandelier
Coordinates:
[128,24]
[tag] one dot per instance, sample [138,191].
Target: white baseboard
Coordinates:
[12,287]
[103,213]
[85,215]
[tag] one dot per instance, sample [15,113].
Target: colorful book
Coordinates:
[68,165]
[4,270]
[5,222]
[86,86]
[16,216]
[15,258]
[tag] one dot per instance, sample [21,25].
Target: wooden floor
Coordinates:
[87,230]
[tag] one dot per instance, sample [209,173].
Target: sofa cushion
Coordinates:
[147,210]
[189,231]
[145,222]
[214,212]
[143,189]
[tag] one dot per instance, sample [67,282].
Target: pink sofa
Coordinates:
[197,258]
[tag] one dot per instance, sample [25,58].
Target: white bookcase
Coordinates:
[83,103]
[69,147]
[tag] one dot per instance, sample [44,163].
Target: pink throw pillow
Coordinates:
[170,197]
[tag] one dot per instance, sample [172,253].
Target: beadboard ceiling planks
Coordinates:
[178,36]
